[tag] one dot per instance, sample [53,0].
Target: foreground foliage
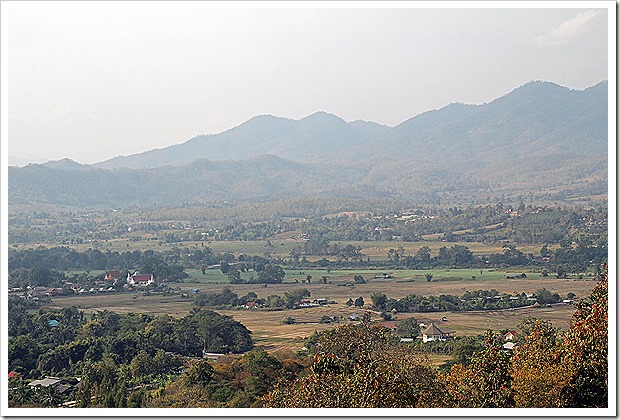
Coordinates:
[123,361]
[358,366]
[361,366]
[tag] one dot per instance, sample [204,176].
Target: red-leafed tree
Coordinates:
[539,370]
[484,383]
[586,347]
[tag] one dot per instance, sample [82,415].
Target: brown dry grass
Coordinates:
[269,331]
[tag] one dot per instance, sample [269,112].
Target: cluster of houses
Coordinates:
[433,332]
[303,303]
[309,303]
[135,279]
[68,386]
[42,293]
[61,386]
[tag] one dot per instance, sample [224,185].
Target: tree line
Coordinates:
[43,266]
[469,301]
[520,223]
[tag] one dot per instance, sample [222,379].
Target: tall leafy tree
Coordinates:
[484,383]
[586,346]
[359,366]
[538,369]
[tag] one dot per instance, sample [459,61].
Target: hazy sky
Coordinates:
[90,80]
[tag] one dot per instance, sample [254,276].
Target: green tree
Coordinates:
[234,276]
[561,272]
[224,266]
[293,297]
[200,372]
[359,279]
[19,392]
[271,274]
[423,257]
[379,300]
[464,349]
[260,372]
[408,327]
[141,364]
[544,296]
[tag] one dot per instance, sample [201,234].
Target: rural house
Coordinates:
[509,346]
[434,333]
[112,275]
[510,336]
[13,374]
[392,325]
[60,385]
[212,356]
[140,280]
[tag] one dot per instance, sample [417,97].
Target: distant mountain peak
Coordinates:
[267,117]
[321,116]
[367,122]
[321,113]
[536,116]
[64,163]
[539,87]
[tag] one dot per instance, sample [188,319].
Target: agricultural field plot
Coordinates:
[404,282]
[210,276]
[477,322]
[268,329]
[281,247]
[126,302]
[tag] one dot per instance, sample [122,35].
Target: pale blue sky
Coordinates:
[91,81]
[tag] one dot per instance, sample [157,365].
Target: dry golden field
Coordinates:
[269,331]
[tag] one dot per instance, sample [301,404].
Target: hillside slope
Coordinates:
[538,118]
[540,138]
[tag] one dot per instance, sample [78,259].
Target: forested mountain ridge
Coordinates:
[541,137]
[257,179]
[539,118]
[309,139]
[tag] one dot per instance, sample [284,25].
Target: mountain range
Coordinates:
[539,136]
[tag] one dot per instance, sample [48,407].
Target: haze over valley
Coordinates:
[540,137]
